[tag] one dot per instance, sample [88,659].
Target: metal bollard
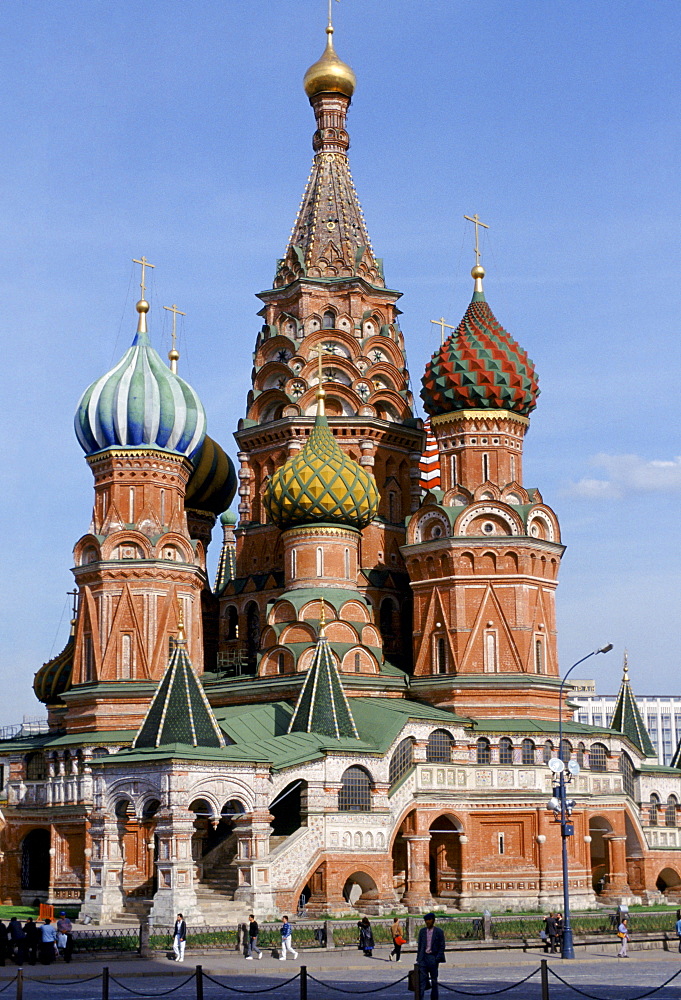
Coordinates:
[20,983]
[544,979]
[199,982]
[303,982]
[105,983]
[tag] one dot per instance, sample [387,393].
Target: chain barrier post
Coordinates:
[417,983]
[20,983]
[303,982]
[544,979]
[199,982]
[105,983]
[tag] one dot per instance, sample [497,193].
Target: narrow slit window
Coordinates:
[320,561]
[485,467]
[502,844]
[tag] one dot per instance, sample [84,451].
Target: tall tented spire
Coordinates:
[627,717]
[330,239]
[179,711]
[322,706]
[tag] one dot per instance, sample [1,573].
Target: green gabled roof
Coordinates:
[627,718]
[322,706]
[179,711]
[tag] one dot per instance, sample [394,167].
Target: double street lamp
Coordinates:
[562,804]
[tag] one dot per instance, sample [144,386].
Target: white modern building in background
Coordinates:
[661,714]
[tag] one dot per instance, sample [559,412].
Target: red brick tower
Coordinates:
[329,295]
[483,551]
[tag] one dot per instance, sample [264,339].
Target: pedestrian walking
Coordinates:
[253,931]
[398,939]
[179,938]
[64,936]
[366,937]
[429,956]
[286,939]
[623,935]
[48,942]
[678,932]
[551,932]
[559,932]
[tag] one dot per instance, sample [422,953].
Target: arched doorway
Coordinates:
[361,891]
[289,809]
[229,814]
[35,861]
[600,852]
[445,857]
[400,855]
[668,881]
[203,827]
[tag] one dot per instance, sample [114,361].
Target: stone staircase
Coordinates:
[220,880]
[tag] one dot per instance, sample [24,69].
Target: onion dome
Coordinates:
[140,403]
[56,676]
[329,74]
[321,484]
[479,366]
[212,484]
[228,517]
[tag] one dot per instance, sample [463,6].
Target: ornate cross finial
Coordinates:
[625,665]
[145,263]
[441,323]
[476,222]
[322,619]
[330,16]
[320,386]
[173,354]
[180,622]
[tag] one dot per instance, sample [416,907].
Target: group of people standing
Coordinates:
[553,933]
[31,942]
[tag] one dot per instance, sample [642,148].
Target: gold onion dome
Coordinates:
[321,485]
[329,74]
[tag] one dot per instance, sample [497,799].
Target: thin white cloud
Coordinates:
[627,474]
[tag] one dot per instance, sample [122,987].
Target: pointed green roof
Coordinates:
[627,718]
[322,706]
[179,711]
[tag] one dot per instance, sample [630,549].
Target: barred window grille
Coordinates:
[627,772]
[548,751]
[528,752]
[402,760]
[653,809]
[580,754]
[484,752]
[440,746]
[670,811]
[36,767]
[565,751]
[355,791]
[598,757]
[505,751]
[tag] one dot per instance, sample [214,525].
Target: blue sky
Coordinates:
[180,130]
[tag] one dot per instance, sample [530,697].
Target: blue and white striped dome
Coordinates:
[141,403]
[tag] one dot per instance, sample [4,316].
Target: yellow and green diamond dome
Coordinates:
[321,485]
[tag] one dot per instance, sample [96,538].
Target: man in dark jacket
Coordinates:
[551,933]
[431,951]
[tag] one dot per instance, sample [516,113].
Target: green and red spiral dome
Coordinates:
[479,367]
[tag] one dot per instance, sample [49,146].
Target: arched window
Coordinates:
[440,746]
[401,760]
[654,809]
[598,757]
[347,564]
[483,751]
[36,767]
[505,750]
[281,663]
[441,648]
[627,772]
[528,751]
[68,763]
[150,808]
[580,754]
[329,320]
[548,751]
[232,617]
[320,561]
[670,811]
[123,808]
[355,791]
[565,751]
[539,655]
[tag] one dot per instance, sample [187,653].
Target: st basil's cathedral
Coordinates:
[359,711]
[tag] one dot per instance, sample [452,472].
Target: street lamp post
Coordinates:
[566,828]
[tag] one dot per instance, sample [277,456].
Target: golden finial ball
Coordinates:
[142,306]
[173,355]
[478,271]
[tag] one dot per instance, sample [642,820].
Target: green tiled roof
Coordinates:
[179,711]
[627,718]
[322,705]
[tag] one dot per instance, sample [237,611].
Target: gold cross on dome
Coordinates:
[330,15]
[441,323]
[476,222]
[176,312]
[145,263]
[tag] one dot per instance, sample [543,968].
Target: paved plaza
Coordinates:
[228,975]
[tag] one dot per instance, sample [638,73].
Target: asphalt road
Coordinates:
[336,974]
